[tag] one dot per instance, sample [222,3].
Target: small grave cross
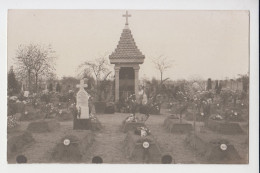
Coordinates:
[126,16]
[82,85]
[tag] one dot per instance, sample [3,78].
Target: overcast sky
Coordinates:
[208,44]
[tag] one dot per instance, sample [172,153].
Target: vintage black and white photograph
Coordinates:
[128,86]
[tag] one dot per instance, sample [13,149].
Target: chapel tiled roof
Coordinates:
[126,49]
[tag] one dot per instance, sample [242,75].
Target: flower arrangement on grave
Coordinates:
[93,118]
[142,131]
[154,107]
[13,99]
[35,101]
[49,110]
[233,115]
[216,117]
[131,118]
[134,106]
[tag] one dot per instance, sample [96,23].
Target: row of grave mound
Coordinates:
[71,148]
[214,150]
[174,125]
[139,147]
[135,148]
[133,143]
[224,127]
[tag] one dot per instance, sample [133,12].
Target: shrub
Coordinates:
[100,107]
[45,98]
[67,97]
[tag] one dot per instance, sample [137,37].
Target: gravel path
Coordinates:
[109,141]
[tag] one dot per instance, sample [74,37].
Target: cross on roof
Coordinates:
[126,16]
[81,85]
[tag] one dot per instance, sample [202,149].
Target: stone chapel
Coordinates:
[126,58]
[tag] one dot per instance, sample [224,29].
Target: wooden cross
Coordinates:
[126,16]
[82,85]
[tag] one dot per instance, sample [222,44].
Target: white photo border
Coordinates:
[251,5]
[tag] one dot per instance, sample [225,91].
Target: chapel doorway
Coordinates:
[126,82]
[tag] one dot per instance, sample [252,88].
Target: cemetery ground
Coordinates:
[108,142]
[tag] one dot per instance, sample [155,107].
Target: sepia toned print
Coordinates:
[128,87]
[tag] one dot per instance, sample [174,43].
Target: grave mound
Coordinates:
[173,125]
[130,123]
[17,143]
[71,148]
[223,127]
[217,151]
[29,115]
[142,149]
[87,124]
[43,126]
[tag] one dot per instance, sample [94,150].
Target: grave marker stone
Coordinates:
[82,101]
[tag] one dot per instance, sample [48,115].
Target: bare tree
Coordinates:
[162,63]
[43,62]
[34,60]
[24,62]
[99,69]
